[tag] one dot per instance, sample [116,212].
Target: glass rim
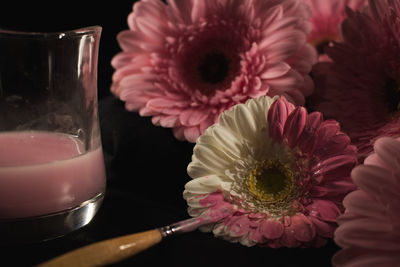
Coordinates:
[95,29]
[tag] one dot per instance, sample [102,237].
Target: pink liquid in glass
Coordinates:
[42,173]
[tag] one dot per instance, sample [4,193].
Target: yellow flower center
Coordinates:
[271,181]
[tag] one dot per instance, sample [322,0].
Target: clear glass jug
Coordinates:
[52,175]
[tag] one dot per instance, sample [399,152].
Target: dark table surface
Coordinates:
[146,174]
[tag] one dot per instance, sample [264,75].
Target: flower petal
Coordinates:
[271,229]
[363,204]
[277,116]
[323,209]
[375,180]
[366,233]
[357,257]
[192,117]
[211,157]
[294,125]
[324,229]
[246,122]
[302,228]
[388,149]
[308,137]
[333,168]
[228,141]
[238,225]
[277,70]
[203,185]
[191,133]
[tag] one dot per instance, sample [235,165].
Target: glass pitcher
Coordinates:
[52,175]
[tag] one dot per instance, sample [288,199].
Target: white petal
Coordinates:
[196,169]
[211,157]
[200,186]
[246,122]
[228,141]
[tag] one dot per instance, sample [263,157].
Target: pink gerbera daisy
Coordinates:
[280,172]
[326,17]
[184,62]
[360,88]
[369,230]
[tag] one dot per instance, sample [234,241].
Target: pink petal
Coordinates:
[271,15]
[358,257]
[333,188]
[144,111]
[307,138]
[275,71]
[129,69]
[374,159]
[285,84]
[121,60]
[192,117]
[335,146]
[179,133]
[207,122]
[169,121]
[294,125]
[191,133]
[238,225]
[133,106]
[288,239]
[363,204]
[348,215]
[295,96]
[256,235]
[277,115]
[199,10]
[166,106]
[151,16]
[281,25]
[302,228]
[324,229]
[133,94]
[373,179]
[282,44]
[139,78]
[388,149]
[271,229]
[182,9]
[325,210]
[303,61]
[327,130]
[129,41]
[150,30]
[156,120]
[289,44]
[367,233]
[333,168]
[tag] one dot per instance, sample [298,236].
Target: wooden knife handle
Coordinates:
[106,252]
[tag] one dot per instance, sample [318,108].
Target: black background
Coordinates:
[50,16]
[146,165]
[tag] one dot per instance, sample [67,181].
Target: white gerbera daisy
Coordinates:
[280,172]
